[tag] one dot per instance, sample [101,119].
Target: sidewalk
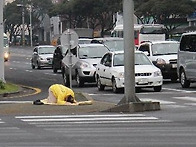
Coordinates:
[30,109]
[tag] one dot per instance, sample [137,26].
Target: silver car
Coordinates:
[84,60]
[42,56]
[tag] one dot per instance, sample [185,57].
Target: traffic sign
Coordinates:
[69,39]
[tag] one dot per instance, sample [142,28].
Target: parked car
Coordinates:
[113,43]
[186,64]
[110,72]
[42,56]
[84,60]
[58,55]
[163,54]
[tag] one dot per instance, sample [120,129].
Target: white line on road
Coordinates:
[15,102]
[179,90]
[80,116]
[186,98]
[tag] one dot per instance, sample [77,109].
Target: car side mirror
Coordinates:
[35,53]
[108,64]
[146,53]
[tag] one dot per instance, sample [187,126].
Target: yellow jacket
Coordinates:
[61,93]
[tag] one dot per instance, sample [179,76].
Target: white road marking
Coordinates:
[179,90]
[157,100]
[186,98]
[15,102]
[89,119]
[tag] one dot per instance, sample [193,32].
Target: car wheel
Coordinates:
[54,70]
[157,88]
[183,80]
[79,81]
[32,66]
[99,85]
[137,89]
[174,79]
[38,66]
[65,79]
[114,88]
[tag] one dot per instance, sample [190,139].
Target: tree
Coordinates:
[171,13]
[13,15]
[91,13]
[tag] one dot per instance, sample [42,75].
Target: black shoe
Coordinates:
[37,102]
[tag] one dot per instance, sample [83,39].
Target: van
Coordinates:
[186,63]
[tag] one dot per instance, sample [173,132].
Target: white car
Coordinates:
[84,60]
[163,54]
[42,56]
[110,72]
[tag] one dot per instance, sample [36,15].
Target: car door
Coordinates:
[190,57]
[107,70]
[101,69]
[106,63]
[35,56]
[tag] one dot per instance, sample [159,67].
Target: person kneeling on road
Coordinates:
[60,95]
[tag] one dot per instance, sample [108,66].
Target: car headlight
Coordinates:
[41,58]
[119,74]
[84,65]
[157,73]
[6,55]
[160,61]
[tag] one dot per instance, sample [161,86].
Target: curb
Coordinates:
[136,107]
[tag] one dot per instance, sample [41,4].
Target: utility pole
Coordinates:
[1,43]
[129,53]
[23,26]
[128,11]
[31,32]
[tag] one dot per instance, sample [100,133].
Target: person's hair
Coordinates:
[70,99]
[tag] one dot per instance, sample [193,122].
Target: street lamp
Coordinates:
[31,32]
[23,25]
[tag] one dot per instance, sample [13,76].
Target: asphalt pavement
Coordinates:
[10,107]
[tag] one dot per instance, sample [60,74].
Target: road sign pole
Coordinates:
[69,39]
[1,43]
[70,58]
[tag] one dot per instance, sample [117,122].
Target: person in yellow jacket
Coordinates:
[61,95]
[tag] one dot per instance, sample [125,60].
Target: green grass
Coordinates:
[8,88]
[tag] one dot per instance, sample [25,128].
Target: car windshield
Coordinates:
[84,41]
[140,59]
[152,30]
[115,45]
[92,52]
[165,49]
[46,50]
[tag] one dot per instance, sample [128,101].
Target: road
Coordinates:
[174,125]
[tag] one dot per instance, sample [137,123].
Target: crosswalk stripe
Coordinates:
[80,116]
[89,119]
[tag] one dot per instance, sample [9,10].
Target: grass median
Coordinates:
[8,88]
